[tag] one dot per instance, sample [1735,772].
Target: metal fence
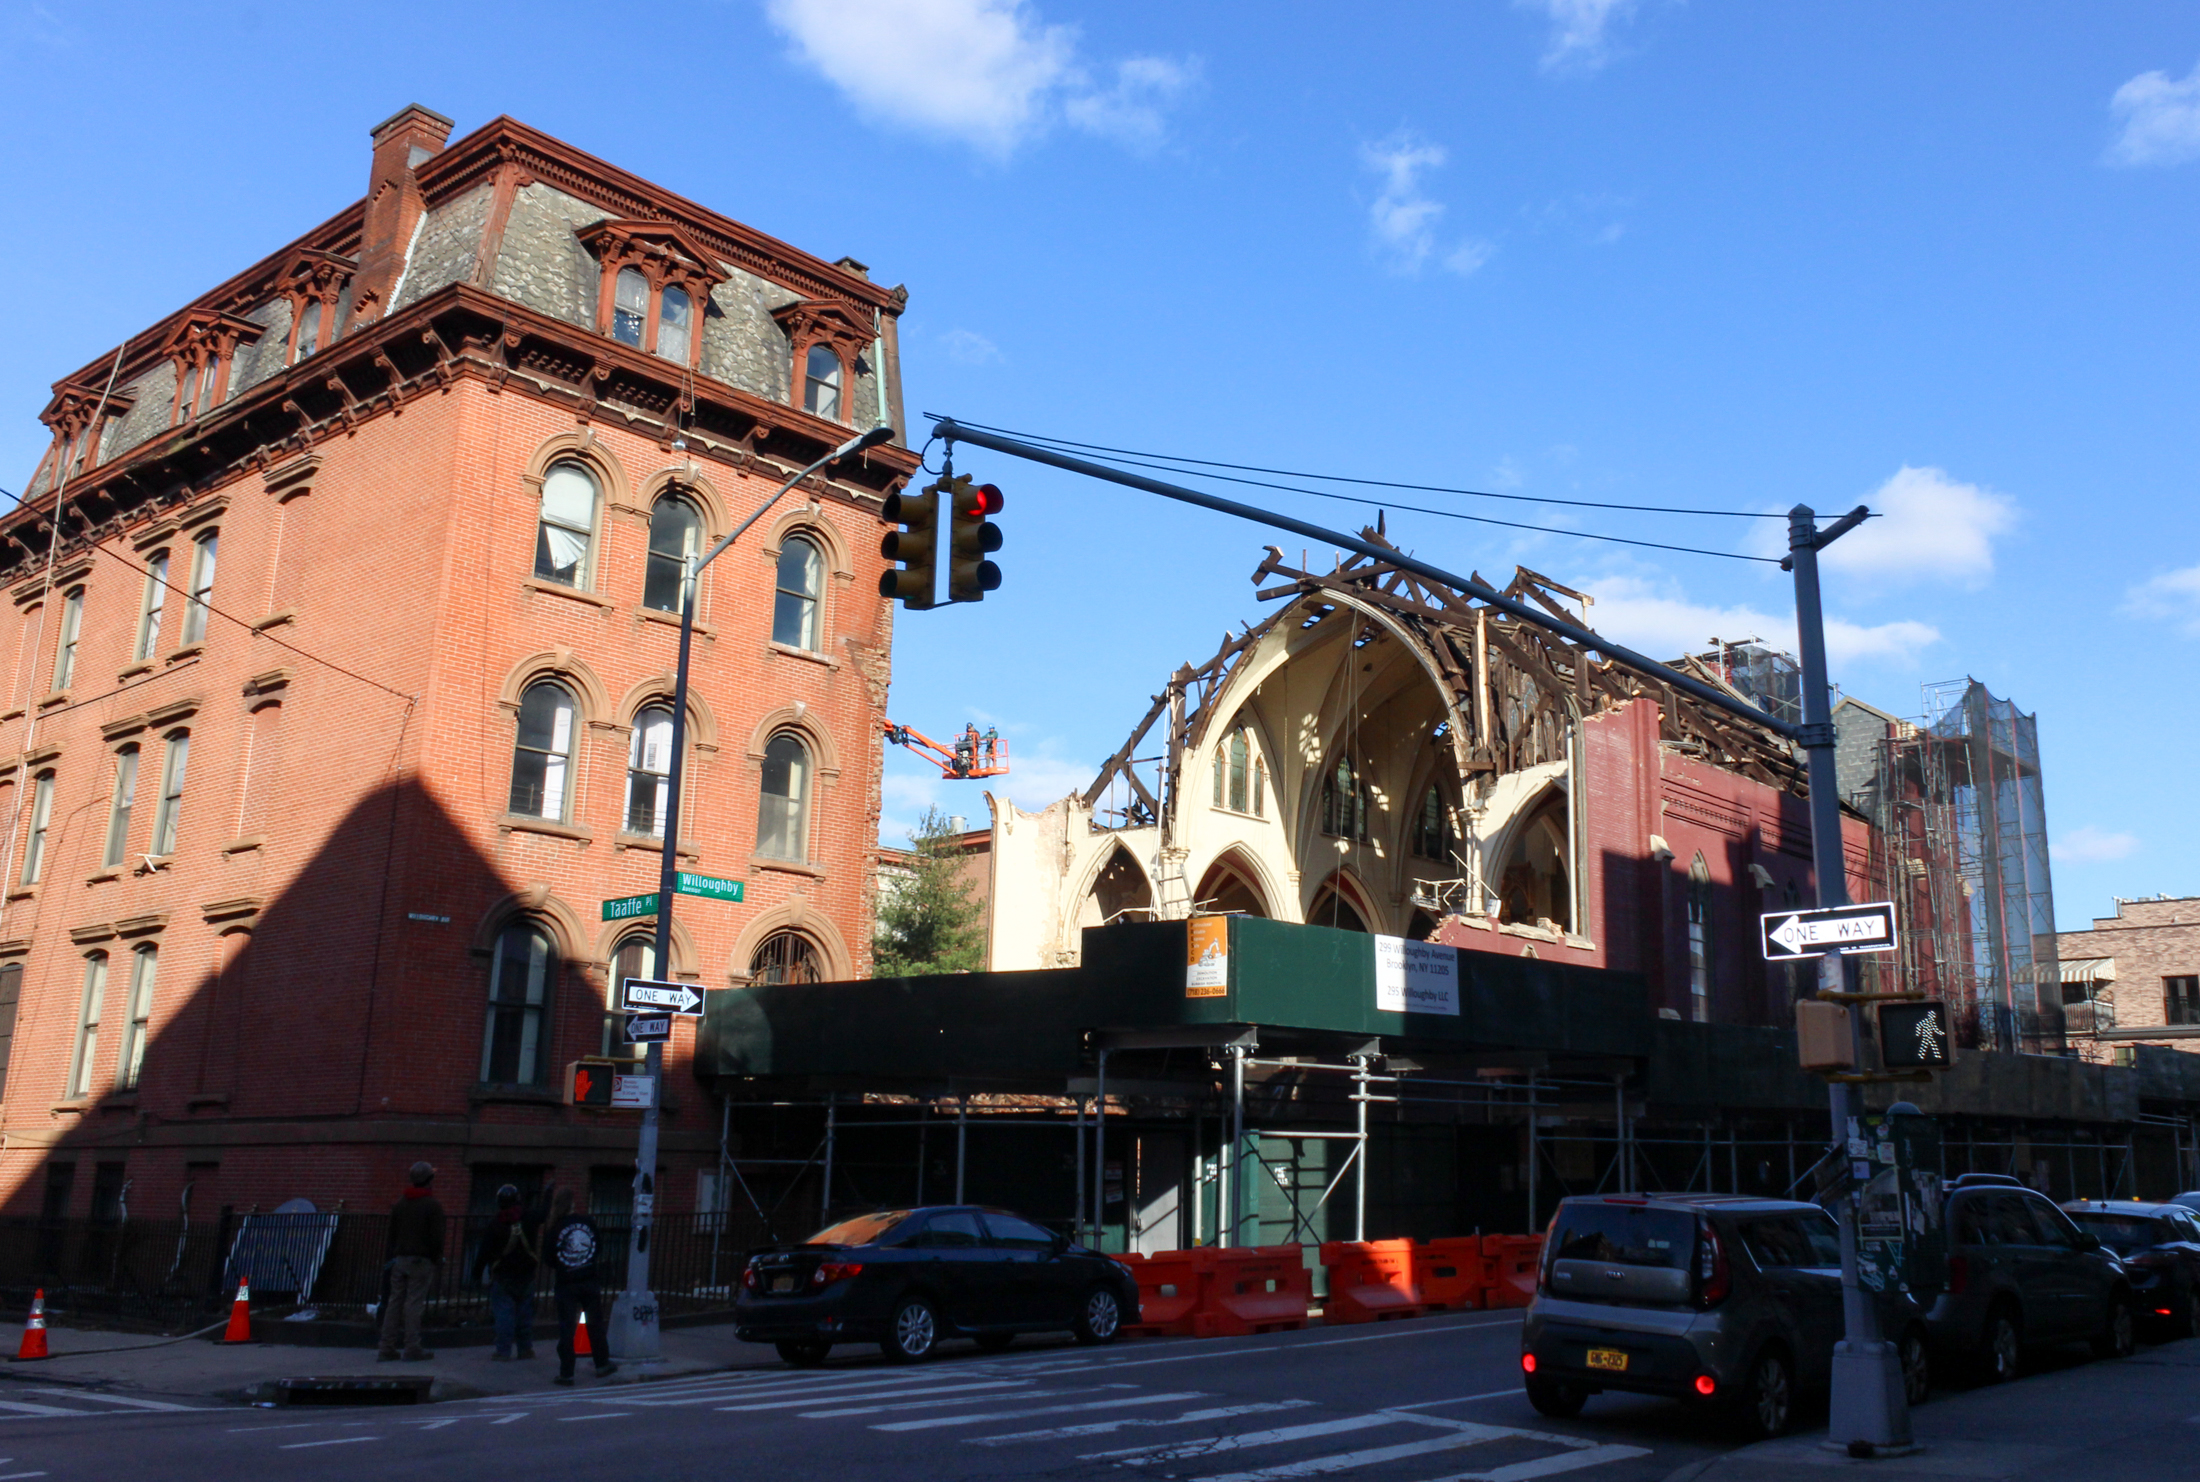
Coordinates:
[176,1273]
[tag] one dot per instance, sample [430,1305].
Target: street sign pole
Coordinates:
[1869,1412]
[634,1333]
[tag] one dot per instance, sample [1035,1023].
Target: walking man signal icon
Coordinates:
[1914,1035]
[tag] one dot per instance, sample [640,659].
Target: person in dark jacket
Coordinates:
[506,1261]
[572,1245]
[415,1252]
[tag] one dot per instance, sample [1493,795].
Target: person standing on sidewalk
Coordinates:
[571,1244]
[415,1252]
[507,1261]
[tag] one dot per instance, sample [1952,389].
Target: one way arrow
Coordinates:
[678,997]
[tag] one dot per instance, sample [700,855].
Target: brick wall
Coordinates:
[2151,940]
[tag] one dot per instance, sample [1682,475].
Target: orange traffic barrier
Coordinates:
[1452,1273]
[240,1315]
[1255,1289]
[1171,1286]
[33,1345]
[1514,1261]
[1370,1281]
[582,1348]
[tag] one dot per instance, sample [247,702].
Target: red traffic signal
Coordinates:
[971,537]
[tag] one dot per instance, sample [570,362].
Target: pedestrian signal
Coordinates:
[971,538]
[915,546]
[589,1082]
[1914,1036]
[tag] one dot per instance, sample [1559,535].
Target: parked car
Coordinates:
[2021,1275]
[2160,1248]
[1699,1297]
[2190,1199]
[906,1278]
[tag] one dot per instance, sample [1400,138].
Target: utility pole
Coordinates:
[1869,1411]
[634,1333]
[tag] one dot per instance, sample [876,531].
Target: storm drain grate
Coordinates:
[342,1390]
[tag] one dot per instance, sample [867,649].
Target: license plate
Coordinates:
[783,1283]
[1614,1359]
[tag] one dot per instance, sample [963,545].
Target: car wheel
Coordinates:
[1100,1319]
[805,1354]
[2001,1349]
[1768,1399]
[2120,1338]
[1556,1398]
[912,1332]
[2180,1322]
[1917,1368]
[994,1342]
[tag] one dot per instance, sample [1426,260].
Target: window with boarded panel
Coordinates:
[11,992]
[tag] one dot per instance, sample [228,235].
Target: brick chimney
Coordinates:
[394,204]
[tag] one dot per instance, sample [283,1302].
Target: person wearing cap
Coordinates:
[415,1252]
[506,1261]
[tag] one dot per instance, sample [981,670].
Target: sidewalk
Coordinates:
[2136,1421]
[196,1368]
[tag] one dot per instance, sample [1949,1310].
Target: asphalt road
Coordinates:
[1437,1398]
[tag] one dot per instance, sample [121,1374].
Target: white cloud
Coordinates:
[2173,597]
[968,347]
[1930,527]
[1403,217]
[2161,118]
[1578,40]
[1037,777]
[989,73]
[1663,624]
[2090,845]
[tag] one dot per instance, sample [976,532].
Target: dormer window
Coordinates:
[655,288]
[202,347]
[309,332]
[827,339]
[821,383]
[315,282]
[76,440]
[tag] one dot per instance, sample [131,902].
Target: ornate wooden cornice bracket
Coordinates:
[204,335]
[833,322]
[663,251]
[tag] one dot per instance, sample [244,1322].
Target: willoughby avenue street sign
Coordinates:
[644,994]
[1793,934]
[709,887]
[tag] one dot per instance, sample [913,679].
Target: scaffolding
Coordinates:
[1961,848]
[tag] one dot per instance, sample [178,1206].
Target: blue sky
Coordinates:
[1935,257]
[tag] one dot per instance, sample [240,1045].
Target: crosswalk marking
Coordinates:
[934,1422]
[25,1407]
[830,1396]
[1345,1461]
[1551,1466]
[1126,1422]
[1019,1395]
[127,1401]
[1175,1451]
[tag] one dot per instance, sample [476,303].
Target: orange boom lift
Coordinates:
[975,753]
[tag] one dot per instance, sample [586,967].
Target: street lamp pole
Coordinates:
[634,1333]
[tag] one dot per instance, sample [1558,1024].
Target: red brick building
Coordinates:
[338,698]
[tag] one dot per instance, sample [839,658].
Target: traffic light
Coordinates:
[916,546]
[588,1082]
[1914,1036]
[971,538]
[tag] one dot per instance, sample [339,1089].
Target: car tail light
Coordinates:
[829,1272]
[2162,1312]
[1527,1363]
[1714,1278]
[748,1278]
[1959,1275]
[1706,1385]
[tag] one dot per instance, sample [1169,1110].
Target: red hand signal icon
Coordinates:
[582,1084]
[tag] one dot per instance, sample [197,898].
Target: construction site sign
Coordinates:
[1416,977]
[1794,934]
[1207,957]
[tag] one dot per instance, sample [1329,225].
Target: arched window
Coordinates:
[675,539]
[1699,940]
[675,313]
[635,958]
[1533,884]
[1344,801]
[821,382]
[144,963]
[629,307]
[171,792]
[522,972]
[568,527]
[794,610]
[1432,826]
[118,811]
[649,771]
[309,330]
[1240,781]
[786,957]
[156,601]
[87,1026]
[542,755]
[203,551]
[783,817]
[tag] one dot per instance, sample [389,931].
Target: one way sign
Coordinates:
[1793,934]
[647,993]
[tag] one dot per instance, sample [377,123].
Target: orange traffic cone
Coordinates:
[582,1348]
[34,1331]
[240,1315]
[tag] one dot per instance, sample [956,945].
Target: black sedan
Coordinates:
[2160,1247]
[906,1278]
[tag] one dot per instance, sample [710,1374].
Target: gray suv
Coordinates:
[2021,1275]
[1702,1297]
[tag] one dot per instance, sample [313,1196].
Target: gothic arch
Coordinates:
[1345,888]
[1106,890]
[1235,881]
[1527,885]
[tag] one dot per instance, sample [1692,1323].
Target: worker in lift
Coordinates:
[966,749]
[990,746]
